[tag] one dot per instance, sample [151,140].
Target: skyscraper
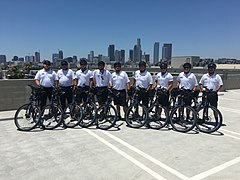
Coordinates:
[111,51]
[131,55]
[91,56]
[60,55]
[156,53]
[167,53]
[37,57]
[137,52]
[122,56]
[3,59]
[55,57]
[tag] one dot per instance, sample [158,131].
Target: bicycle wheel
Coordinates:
[157,117]
[51,116]
[27,117]
[183,118]
[209,119]
[72,115]
[89,115]
[136,116]
[106,117]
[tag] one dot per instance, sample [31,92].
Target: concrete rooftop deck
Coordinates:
[123,154]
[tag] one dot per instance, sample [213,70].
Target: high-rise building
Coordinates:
[29,59]
[37,57]
[91,56]
[156,53]
[111,51]
[167,53]
[137,52]
[122,56]
[15,58]
[55,57]
[3,59]
[117,56]
[130,55]
[60,55]
[146,58]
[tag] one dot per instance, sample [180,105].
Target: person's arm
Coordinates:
[155,84]
[37,82]
[170,85]
[149,87]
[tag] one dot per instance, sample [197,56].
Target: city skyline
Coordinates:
[209,29]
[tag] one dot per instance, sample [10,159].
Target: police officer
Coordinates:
[143,80]
[164,80]
[82,81]
[65,81]
[101,81]
[46,78]
[211,81]
[120,82]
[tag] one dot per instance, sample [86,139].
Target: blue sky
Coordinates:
[208,28]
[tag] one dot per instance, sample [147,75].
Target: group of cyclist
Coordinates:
[101,79]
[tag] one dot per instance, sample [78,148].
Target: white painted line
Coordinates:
[229,109]
[232,136]
[128,157]
[224,98]
[150,158]
[232,132]
[216,169]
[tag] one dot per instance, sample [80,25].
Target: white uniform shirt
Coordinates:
[211,82]
[83,77]
[143,79]
[101,79]
[46,78]
[65,77]
[120,80]
[163,79]
[187,81]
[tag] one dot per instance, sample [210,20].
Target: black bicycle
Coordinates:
[89,109]
[73,113]
[183,118]
[107,114]
[158,116]
[52,114]
[136,114]
[27,116]
[209,117]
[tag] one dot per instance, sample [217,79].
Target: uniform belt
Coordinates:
[65,87]
[119,90]
[103,87]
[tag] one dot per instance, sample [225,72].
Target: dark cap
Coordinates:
[187,65]
[117,64]
[212,65]
[163,66]
[101,63]
[47,62]
[64,63]
[142,63]
[83,62]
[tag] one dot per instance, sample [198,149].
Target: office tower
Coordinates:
[15,58]
[122,56]
[156,53]
[91,56]
[60,56]
[131,55]
[111,51]
[146,58]
[29,59]
[167,53]
[37,57]
[117,56]
[21,59]
[3,59]
[74,59]
[55,57]
[137,52]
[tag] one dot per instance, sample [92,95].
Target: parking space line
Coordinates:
[216,169]
[128,157]
[229,109]
[146,156]
[232,136]
[232,132]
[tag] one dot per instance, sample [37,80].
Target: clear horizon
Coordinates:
[209,29]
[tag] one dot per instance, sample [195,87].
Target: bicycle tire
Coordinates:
[156,120]
[136,118]
[26,117]
[210,123]
[185,122]
[89,115]
[51,116]
[72,115]
[106,117]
